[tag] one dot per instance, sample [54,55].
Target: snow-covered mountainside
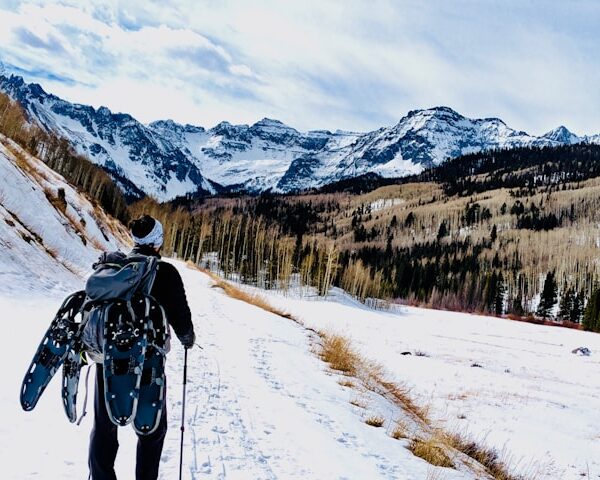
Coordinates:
[166,159]
[49,233]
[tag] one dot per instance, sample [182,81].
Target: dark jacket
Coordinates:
[168,290]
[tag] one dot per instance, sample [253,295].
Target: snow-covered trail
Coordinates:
[260,405]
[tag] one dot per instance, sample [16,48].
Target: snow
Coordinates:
[530,397]
[31,227]
[260,405]
[385,203]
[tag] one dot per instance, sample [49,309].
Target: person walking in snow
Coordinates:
[168,290]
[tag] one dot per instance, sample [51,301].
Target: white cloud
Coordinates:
[317,64]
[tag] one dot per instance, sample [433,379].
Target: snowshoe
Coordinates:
[125,342]
[70,379]
[152,387]
[53,349]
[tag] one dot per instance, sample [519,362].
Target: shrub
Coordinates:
[430,451]
[375,421]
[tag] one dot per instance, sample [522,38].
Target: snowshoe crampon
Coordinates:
[152,387]
[125,341]
[53,349]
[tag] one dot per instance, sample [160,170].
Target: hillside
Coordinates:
[50,233]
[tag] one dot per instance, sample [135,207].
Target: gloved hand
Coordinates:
[188,339]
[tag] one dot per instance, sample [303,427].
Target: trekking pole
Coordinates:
[183,412]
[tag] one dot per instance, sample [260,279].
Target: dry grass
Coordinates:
[237,293]
[251,298]
[357,402]
[56,200]
[375,421]
[400,430]
[401,395]
[338,352]
[346,383]
[430,451]
[21,160]
[493,462]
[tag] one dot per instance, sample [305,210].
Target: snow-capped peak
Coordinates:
[166,159]
[562,135]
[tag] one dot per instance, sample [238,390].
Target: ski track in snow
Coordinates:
[260,405]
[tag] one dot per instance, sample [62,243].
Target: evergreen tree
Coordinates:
[499,299]
[548,296]
[494,233]
[577,309]
[490,292]
[591,317]
[517,305]
[565,308]
[443,231]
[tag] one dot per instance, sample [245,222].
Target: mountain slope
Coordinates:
[166,159]
[137,159]
[49,233]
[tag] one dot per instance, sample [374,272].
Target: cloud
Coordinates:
[353,65]
[51,44]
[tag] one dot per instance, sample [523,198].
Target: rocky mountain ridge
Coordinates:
[166,159]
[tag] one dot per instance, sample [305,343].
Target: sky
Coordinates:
[349,65]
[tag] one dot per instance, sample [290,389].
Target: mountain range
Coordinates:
[166,159]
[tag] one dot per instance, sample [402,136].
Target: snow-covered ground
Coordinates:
[261,405]
[513,386]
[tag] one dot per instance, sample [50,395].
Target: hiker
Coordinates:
[169,292]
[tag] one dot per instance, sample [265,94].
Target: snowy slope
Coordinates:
[166,159]
[41,247]
[530,396]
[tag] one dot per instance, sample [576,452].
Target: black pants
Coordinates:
[104,443]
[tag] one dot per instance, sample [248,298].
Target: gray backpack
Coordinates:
[116,278]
